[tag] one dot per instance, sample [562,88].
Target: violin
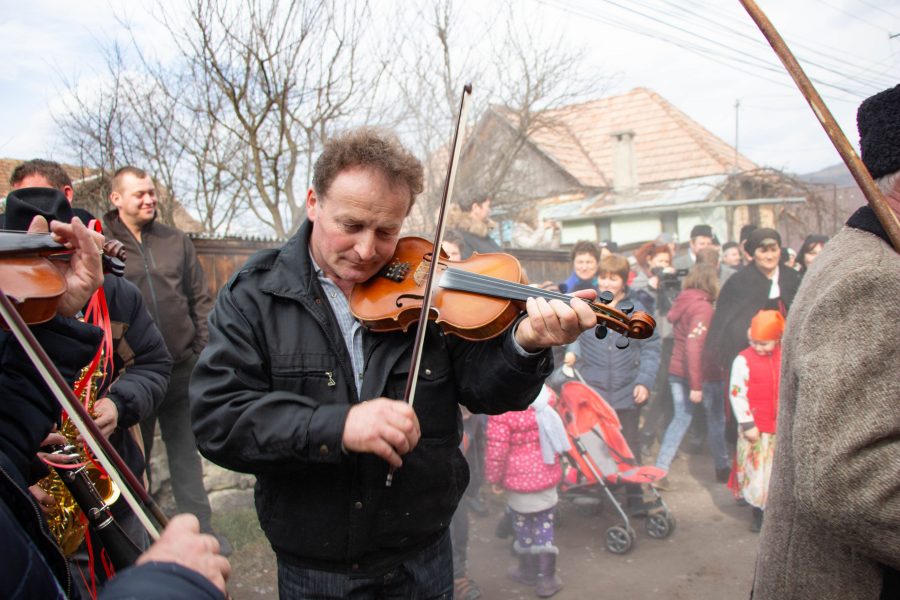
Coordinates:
[28,277]
[30,290]
[32,282]
[475,299]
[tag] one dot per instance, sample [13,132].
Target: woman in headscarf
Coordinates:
[762,284]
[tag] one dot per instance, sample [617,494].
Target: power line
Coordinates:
[846,58]
[758,43]
[878,8]
[854,16]
[720,49]
[839,60]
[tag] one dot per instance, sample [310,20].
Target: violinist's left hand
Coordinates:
[84,270]
[555,323]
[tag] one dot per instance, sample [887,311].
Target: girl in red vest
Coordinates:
[754,398]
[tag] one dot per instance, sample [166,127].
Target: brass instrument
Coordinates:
[65,519]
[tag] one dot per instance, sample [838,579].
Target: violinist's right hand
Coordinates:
[383,427]
[84,270]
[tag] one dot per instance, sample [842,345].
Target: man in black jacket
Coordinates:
[135,384]
[292,389]
[163,265]
[182,564]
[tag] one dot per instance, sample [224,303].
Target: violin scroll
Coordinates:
[114,255]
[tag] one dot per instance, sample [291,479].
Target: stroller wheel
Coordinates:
[619,540]
[660,525]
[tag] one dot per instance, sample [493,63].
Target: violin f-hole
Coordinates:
[415,297]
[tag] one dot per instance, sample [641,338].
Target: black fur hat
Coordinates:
[878,120]
[761,237]
[701,230]
[25,204]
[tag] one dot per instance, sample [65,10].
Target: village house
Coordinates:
[627,168]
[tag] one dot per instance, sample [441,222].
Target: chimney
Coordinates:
[624,169]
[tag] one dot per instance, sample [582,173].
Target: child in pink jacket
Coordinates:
[523,459]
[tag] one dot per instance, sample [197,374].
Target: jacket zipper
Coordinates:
[46,535]
[140,245]
[324,324]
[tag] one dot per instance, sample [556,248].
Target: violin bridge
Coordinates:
[421,273]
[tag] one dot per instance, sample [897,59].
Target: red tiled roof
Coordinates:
[667,143]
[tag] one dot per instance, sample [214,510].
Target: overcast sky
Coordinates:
[701,55]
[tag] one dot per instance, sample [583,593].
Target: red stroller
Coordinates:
[600,459]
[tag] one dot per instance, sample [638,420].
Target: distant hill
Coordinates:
[838,175]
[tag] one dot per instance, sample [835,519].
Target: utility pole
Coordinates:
[737,107]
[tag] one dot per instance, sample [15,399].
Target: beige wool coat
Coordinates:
[832,523]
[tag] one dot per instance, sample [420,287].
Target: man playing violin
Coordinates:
[135,377]
[293,389]
[182,564]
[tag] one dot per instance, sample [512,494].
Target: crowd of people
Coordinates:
[359,494]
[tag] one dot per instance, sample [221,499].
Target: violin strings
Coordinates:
[486,285]
[491,286]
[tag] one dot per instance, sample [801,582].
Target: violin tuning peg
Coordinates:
[626,306]
[622,343]
[605,297]
[601,331]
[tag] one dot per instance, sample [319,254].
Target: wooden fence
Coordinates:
[222,257]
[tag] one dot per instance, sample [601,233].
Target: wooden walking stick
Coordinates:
[874,197]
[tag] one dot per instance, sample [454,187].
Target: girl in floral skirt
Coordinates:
[754,386]
[522,458]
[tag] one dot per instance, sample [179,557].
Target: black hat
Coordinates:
[747,229]
[878,120]
[23,205]
[701,230]
[761,237]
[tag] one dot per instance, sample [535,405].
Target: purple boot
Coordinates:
[526,571]
[547,581]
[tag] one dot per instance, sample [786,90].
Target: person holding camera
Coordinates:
[656,285]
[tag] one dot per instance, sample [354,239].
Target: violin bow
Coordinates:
[410,393]
[874,197]
[104,452]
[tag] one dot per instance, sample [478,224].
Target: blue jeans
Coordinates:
[714,399]
[713,404]
[427,575]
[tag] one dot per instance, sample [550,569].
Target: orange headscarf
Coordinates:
[767,326]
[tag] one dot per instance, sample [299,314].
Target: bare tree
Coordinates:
[231,126]
[535,76]
[141,117]
[520,78]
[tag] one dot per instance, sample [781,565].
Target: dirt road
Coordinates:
[710,555]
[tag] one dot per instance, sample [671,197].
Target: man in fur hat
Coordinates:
[832,527]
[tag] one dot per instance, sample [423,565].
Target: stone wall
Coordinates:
[227,489]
